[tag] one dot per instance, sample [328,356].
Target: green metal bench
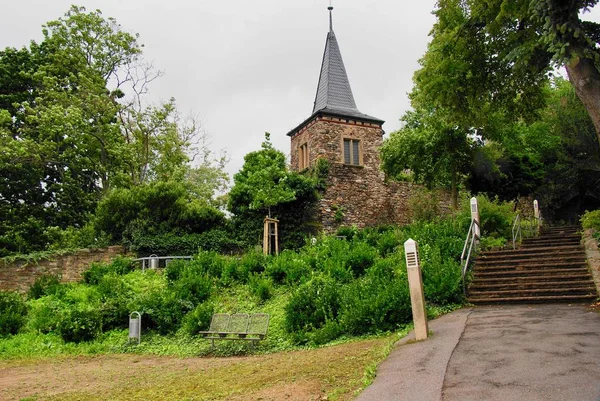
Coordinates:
[239,326]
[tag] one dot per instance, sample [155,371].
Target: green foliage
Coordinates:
[96,272]
[312,305]
[264,186]
[12,312]
[198,319]
[69,135]
[162,218]
[47,284]
[288,268]
[327,289]
[435,153]
[263,178]
[591,220]
[424,205]
[496,217]
[376,302]
[261,287]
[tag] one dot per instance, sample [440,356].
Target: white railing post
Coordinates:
[475,216]
[415,283]
[537,214]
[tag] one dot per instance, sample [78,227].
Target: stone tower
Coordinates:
[350,141]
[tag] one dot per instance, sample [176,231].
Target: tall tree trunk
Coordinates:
[585,77]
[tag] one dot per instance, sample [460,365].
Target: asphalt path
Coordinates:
[520,353]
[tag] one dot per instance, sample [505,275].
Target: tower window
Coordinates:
[352,153]
[303,157]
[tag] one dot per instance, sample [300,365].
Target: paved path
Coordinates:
[507,353]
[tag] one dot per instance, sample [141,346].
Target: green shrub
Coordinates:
[388,242]
[12,312]
[289,268]
[115,295]
[75,238]
[442,278]
[591,220]
[496,217]
[204,262]
[79,323]
[424,205]
[192,288]
[312,305]
[198,319]
[252,262]
[379,301]
[44,314]
[261,287]
[328,332]
[360,257]
[120,265]
[161,310]
[44,285]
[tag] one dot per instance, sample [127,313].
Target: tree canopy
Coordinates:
[73,126]
[490,56]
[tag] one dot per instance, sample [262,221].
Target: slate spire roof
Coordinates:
[334,94]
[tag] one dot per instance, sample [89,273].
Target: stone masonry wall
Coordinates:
[20,275]
[355,195]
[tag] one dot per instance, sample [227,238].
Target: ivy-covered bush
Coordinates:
[162,218]
[591,220]
[312,305]
[12,312]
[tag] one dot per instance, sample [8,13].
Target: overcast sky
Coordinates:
[250,66]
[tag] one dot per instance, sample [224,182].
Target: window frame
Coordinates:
[303,156]
[352,143]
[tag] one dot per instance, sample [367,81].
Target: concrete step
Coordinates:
[525,273]
[533,262]
[548,268]
[534,256]
[533,278]
[549,244]
[526,292]
[560,229]
[531,250]
[530,284]
[534,299]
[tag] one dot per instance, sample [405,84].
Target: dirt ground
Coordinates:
[335,372]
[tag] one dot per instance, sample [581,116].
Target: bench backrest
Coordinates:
[219,322]
[238,323]
[259,323]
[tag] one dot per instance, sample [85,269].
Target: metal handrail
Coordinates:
[468,249]
[516,231]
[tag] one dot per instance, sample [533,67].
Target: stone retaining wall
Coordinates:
[20,275]
[593,255]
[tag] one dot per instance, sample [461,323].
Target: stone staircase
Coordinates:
[549,268]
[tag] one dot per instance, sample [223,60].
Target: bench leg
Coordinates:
[212,344]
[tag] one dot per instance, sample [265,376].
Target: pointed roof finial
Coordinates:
[330,8]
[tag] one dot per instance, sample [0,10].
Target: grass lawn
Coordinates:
[335,372]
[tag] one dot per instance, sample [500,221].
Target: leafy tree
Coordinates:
[263,179]
[434,153]
[69,134]
[496,55]
[556,158]
[264,185]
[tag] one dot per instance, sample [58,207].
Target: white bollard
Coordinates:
[415,284]
[536,209]
[475,215]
